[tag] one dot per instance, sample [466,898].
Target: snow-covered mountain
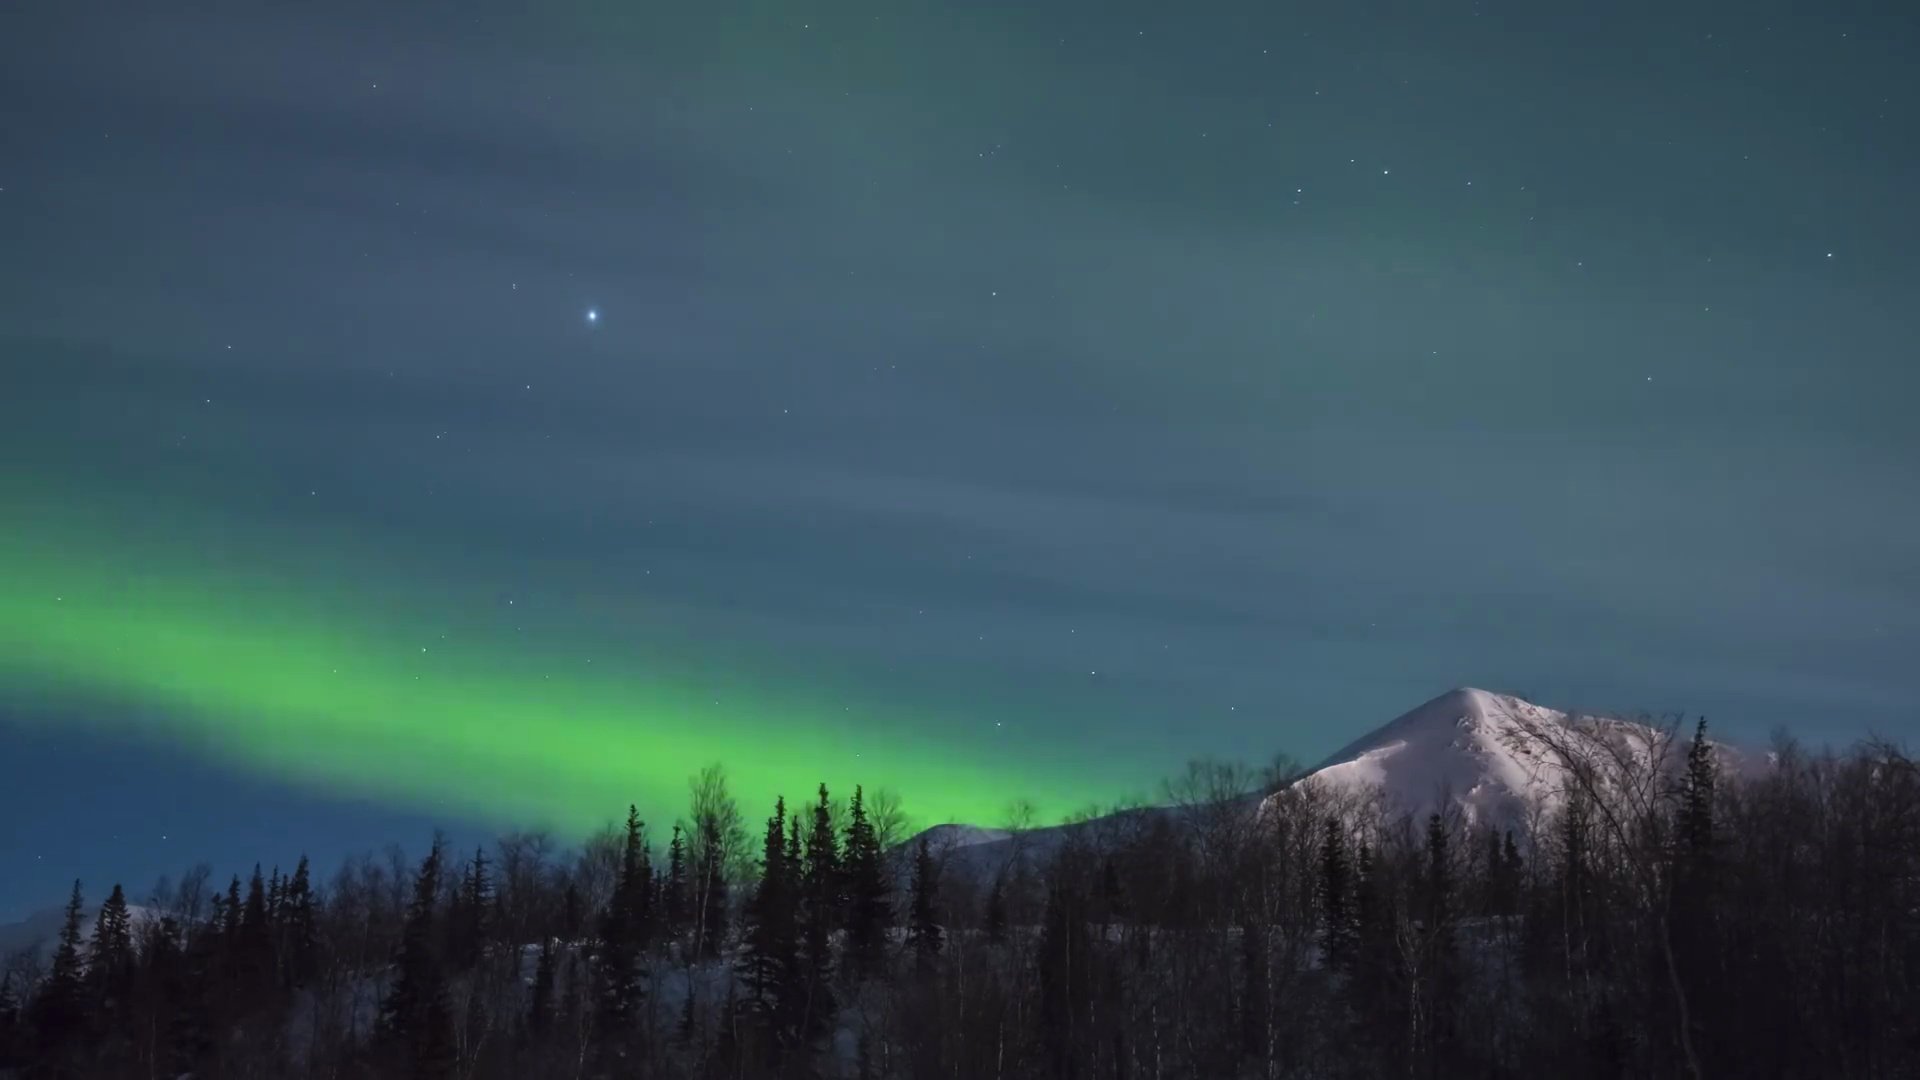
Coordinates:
[1490,756]
[1480,751]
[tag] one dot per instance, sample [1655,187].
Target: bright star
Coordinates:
[593,315]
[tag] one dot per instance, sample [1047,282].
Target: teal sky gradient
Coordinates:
[1042,396]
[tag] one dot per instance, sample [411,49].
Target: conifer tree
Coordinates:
[767,958]
[820,913]
[869,900]
[300,932]
[1696,825]
[1377,961]
[434,1054]
[11,1052]
[925,936]
[190,1035]
[1335,899]
[253,947]
[416,1016]
[230,916]
[624,929]
[110,977]
[253,920]
[673,890]
[275,886]
[467,919]
[110,959]
[59,1008]
[1693,893]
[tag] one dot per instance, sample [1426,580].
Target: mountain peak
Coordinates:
[1460,746]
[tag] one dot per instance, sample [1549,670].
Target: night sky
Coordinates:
[488,413]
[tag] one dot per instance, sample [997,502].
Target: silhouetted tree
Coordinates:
[769,956]
[1336,899]
[925,935]
[59,1009]
[624,930]
[299,929]
[820,913]
[11,1050]
[416,1016]
[673,889]
[110,960]
[869,899]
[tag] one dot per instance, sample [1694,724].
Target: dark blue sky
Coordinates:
[1283,365]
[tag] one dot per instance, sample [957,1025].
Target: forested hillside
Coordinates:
[1657,921]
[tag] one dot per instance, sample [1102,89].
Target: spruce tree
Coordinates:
[1438,949]
[1695,830]
[253,947]
[1694,894]
[416,1017]
[110,976]
[190,1035]
[925,936]
[467,919]
[673,890]
[1335,897]
[253,919]
[869,900]
[821,912]
[275,888]
[11,1051]
[767,954]
[59,1008]
[230,917]
[624,929]
[299,929]
[110,960]
[434,1053]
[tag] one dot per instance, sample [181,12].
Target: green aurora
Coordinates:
[311,681]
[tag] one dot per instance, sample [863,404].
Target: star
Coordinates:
[593,315]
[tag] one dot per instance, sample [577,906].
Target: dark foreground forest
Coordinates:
[1652,920]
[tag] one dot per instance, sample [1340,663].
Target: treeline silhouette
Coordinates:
[1659,916]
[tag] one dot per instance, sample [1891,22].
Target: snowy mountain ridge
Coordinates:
[1494,758]
[1491,756]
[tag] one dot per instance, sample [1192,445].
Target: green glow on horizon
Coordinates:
[311,683]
